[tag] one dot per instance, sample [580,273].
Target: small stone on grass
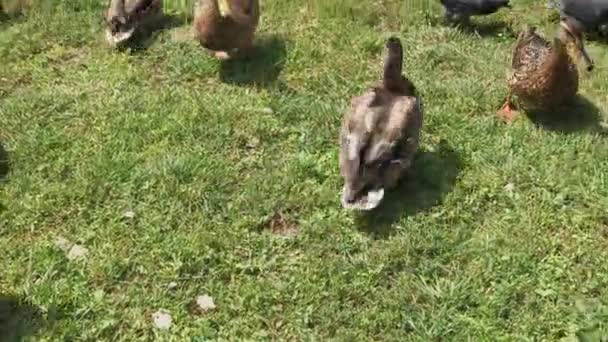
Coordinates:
[73,251]
[77,252]
[129,214]
[162,320]
[205,303]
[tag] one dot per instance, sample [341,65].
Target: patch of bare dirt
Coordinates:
[282,225]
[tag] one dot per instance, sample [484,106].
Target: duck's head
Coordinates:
[122,22]
[363,187]
[571,34]
[362,170]
[120,26]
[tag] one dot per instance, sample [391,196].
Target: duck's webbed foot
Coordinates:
[221,55]
[508,112]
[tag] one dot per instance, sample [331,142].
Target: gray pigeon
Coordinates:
[592,14]
[461,10]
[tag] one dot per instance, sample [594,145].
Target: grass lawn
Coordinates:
[182,176]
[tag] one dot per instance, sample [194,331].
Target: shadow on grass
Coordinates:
[4,164]
[490,29]
[473,26]
[433,176]
[18,319]
[143,39]
[9,18]
[11,10]
[4,169]
[581,115]
[3,16]
[261,69]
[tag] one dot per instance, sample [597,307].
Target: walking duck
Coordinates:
[226,27]
[544,75]
[124,18]
[380,135]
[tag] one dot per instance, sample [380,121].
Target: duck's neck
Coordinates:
[393,69]
[561,57]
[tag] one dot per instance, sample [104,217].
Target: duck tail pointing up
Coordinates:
[393,65]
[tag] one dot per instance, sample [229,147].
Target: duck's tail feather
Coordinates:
[393,69]
[393,65]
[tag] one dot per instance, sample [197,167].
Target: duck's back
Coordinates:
[530,51]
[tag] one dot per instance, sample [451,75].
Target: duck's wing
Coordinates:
[395,137]
[460,6]
[393,148]
[355,133]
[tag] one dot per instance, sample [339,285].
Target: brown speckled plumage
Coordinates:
[543,74]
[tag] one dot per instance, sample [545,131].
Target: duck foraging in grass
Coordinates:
[460,11]
[544,75]
[380,135]
[124,18]
[226,27]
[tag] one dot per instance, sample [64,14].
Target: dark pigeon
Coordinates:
[592,14]
[462,10]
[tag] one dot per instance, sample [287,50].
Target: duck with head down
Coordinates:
[226,27]
[544,75]
[124,18]
[380,135]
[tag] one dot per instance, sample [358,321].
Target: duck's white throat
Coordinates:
[119,37]
[368,201]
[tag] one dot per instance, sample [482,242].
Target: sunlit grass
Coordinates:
[183,176]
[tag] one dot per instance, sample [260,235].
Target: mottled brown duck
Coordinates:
[544,75]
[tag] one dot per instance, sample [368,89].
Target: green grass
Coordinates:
[206,155]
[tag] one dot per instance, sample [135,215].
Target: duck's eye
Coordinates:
[114,26]
[383,163]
